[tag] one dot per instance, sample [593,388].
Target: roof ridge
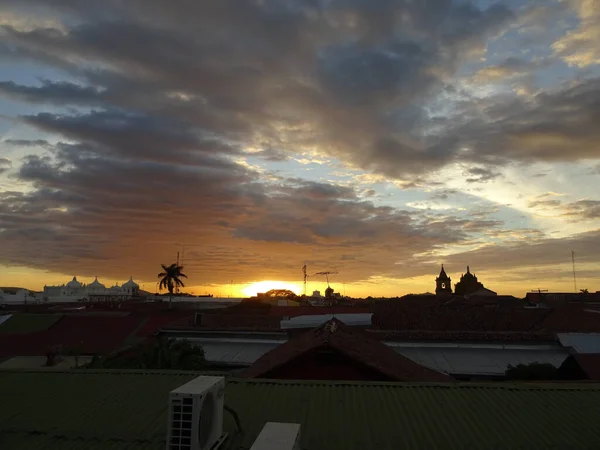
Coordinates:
[547,386]
[425,384]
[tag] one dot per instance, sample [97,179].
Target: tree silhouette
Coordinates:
[170,278]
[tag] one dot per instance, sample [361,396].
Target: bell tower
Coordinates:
[443,283]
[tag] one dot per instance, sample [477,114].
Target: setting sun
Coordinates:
[264,286]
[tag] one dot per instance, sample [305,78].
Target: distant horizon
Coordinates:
[246,290]
[375,139]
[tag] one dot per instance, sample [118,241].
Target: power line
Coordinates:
[574,278]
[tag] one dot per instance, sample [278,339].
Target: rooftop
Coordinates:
[87,334]
[127,410]
[353,344]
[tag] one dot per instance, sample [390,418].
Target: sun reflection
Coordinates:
[264,286]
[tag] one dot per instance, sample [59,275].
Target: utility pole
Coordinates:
[305,277]
[574,278]
[177,287]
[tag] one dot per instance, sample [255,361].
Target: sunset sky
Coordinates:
[378,139]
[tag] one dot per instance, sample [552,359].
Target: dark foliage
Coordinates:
[159,354]
[534,372]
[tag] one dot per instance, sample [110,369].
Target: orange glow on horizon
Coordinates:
[267,285]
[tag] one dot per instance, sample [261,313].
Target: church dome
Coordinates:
[96,284]
[74,283]
[469,275]
[131,284]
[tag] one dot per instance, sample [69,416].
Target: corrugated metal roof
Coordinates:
[127,410]
[480,361]
[581,342]
[468,360]
[235,353]
[28,323]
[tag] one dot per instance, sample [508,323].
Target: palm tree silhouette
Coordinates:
[170,279]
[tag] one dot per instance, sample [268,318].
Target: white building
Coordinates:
[16,297]
[75,291]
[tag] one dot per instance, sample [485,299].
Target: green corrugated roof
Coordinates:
[127,410]
[29,323]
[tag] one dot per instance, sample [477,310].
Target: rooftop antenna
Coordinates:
[326,275]
[539,292]
[574,278]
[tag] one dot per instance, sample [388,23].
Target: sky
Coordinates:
[376,139]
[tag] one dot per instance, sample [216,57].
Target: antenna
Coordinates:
[326,275]
[574,278]
[539,292]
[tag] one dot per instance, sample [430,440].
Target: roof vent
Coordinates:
[278,436]
[196,415]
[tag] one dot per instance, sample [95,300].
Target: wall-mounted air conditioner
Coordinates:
[196,414]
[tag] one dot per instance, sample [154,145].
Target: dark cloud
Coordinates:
[555,126]
[574,211]
[271,154]
[5,165]
[53,92]
[348,71]
[529,252]
[444,194]
[583,210]
[94,210]
[27,142]
[546,204]
[481,175]
[135,135]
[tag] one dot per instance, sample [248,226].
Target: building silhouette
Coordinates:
[468,284]
[443,283]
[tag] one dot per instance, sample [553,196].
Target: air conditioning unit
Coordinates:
[196,415]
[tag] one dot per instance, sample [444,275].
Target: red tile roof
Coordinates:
[580,366]
[88,334]
[454,315]
[294,311]
[155,323]
[562,297]
[240,322]
[590,364]
[571,317]
[352,343]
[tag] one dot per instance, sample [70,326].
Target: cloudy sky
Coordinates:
[378,139]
